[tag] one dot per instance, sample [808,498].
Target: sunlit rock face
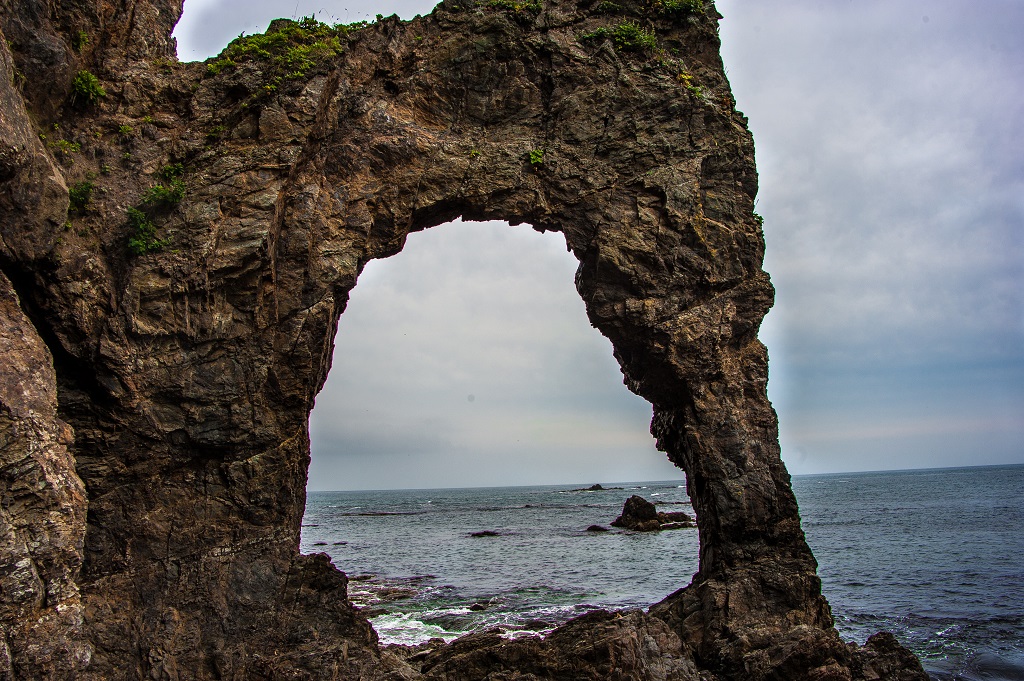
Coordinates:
[164,346]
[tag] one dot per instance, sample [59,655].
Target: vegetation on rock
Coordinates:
[287,51]
[628,36]
[80,196]
[86,89]
[143,238]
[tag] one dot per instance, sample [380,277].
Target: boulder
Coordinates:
[641,515]
[638,514]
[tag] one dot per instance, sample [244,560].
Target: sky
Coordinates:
[891,165]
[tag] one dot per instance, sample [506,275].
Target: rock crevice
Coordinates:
[190,233]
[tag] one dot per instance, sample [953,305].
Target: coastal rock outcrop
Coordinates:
[178,241]
[642,516]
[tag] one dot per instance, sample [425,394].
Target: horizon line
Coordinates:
[650,482]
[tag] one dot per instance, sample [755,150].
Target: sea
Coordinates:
[934,556]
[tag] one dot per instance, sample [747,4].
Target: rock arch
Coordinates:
[187,374]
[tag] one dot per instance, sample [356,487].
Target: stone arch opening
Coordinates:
[474,341]
[515,388]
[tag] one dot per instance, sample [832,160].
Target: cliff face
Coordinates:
[179,240]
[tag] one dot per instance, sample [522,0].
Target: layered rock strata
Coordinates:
[179,240]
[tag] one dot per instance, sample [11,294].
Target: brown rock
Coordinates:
[638,514]
[187,372]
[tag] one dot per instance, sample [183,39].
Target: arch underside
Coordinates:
[188,374]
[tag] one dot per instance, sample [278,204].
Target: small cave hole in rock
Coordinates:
[469,409]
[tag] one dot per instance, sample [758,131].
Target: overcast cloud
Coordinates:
[892,187]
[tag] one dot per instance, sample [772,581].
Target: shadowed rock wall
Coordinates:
[165,346]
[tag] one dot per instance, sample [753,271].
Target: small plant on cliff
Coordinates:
[165,195]
[607,7]
[536,157]
[632,37]
[528,7]
[143,238]
[172,171]
[125,131]
[86,89]
[678,8]
[687,80]
[214,134]
[64,147]
[80,196]
[629,36]
[79,41]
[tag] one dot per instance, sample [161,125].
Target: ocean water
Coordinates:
[935,556]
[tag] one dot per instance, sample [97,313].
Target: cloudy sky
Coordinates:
[891,163]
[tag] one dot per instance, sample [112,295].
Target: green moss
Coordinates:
[86,90]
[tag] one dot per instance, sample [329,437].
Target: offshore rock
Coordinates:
[178,241]
[640,515]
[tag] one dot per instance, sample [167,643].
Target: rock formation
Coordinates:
[642,516]
[177,242]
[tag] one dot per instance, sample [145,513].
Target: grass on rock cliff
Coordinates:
[80,196]
[86,90]
[143,238]
[629,36]
[287,51]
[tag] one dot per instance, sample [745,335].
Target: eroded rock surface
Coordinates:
[164,346]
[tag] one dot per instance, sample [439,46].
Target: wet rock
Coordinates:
[537,625]
[597,528]
[484,533]
[639,515]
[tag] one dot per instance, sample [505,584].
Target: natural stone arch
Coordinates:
[188,374]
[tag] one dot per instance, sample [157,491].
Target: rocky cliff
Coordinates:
[177,242]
